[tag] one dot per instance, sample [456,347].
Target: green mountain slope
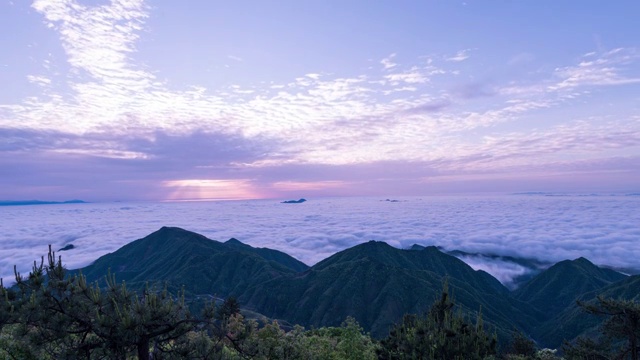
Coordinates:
[429,258]
[554,292]
[270,254]
[373,282]
[573,321]
[559,286]
[183,258]
[377,284]
[628,289]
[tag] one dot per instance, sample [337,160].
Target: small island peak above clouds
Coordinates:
[38,202]
[299,201]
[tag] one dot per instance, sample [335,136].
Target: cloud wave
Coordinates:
[603,229]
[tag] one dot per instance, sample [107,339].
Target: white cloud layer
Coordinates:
[604,229]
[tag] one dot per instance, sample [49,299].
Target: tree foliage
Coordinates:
[620,332]
[520,347]
[52,315]
[440,333]
[347,342]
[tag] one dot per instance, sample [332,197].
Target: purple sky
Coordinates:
[171,100]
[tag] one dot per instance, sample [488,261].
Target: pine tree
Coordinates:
[438,334]
[620,331]
[61,316]
[229,307]
[521,345]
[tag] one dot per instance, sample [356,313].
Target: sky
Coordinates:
[194,100]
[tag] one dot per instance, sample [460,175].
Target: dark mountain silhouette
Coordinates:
[559,286]
[38,202]
[373,282]
[183,258]
[299,201]
[269,254]
[554,292]
[531,266]
[572,321]
[377,284]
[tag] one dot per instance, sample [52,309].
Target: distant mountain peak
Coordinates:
[418,247]
[579,263]
[375,244]
[557,287]
[299,201]
[583,260]
[234,241]
[171,229]
[38,202]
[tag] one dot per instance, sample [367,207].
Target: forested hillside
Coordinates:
[373,284]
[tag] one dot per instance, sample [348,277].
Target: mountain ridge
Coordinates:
[372,281]
[38,202]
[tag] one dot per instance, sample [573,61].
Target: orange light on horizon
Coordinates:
[211,189]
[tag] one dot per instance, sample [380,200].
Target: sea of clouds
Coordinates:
[604,229]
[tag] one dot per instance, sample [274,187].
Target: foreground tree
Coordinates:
[53,315]
[347,342]
[520,347]
[438,334]
[620,332]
